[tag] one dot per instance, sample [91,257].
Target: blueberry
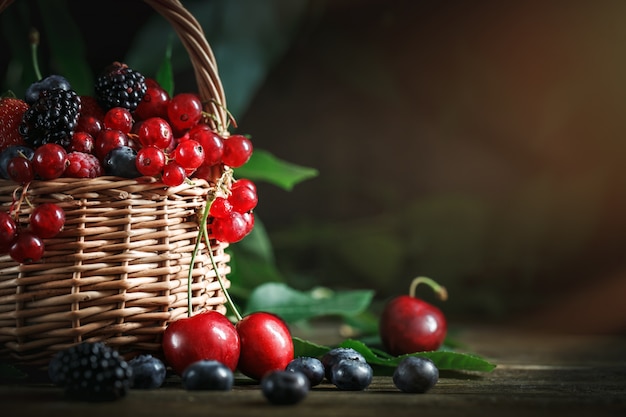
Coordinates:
[120,162]
[335,355]
[415,374]
[312,368]
[148,372]
[48,83]
[208,375]
[351,375]
[285,387]
[11,152]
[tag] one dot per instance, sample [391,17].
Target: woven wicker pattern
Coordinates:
[119,270]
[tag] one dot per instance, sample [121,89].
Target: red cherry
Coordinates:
[209,335]
[409,324]
[266,344]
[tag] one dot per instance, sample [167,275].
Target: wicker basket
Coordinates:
[118,272]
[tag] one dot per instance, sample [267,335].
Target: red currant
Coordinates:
[155,131]
[220,207]
[150,161]
[184,111]
[173,174]
[242,199]
[211,143]
[245,182]
[237,151]
[26,248]
[49,161]
[249,218]
[154,102]
[47,220]
[8,231]
[229,229]
[108,140]
[189,154]
[81,142]
[20,170]
[89,124]
[118,118]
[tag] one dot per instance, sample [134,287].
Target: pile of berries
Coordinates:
[130,128]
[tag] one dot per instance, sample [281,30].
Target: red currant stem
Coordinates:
[439,290]
[33,37]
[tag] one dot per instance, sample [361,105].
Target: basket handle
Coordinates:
[192,36]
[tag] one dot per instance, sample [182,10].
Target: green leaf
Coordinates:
[263,166]
[293,305]
[306,348]
[165,74]
[444,360]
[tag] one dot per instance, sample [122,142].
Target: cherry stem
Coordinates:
[33,37]
[203,235]
[439,290]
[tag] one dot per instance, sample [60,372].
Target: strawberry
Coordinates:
[11,112]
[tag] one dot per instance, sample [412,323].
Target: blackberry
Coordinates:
[118,85]
[51,119]
[91,371]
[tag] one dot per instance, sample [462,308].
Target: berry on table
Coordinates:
[333,357]
[415,374]
[351,375]
[311,367]
[149,372]
[285,387]
[91,371]
[208,374]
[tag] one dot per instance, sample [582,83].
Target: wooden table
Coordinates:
[537,374]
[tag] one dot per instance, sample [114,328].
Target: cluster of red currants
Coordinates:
[26,244]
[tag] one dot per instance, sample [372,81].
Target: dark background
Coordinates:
[476,142]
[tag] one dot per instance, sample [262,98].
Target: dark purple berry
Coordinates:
[50,82]
[120,162]
[415,375]
[351,375]
[285,387]
[148,372]
[208,375]
[334,355]
[312,368]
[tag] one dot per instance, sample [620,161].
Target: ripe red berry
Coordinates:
[242,198]
[173,174]
[220,207]
[229,229]
[118,118]
[47,220]
[20,170]
[83,165]
[108,140]
[189,154]
[150,161]
[8,231]
[184,111]
[49,161]
[82,142]
[11,112]
[154,102]
[211,142]
[155,131]
[237,151]
[26,248]
[89,124]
